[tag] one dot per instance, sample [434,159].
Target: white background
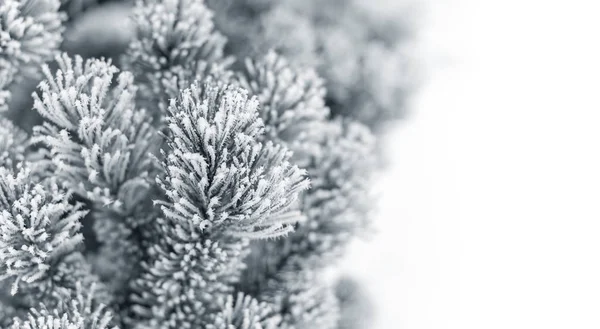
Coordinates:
[490,216]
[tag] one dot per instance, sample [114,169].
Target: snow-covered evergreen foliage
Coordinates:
[208,179]
[40,239]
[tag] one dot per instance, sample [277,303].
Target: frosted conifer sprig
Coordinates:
[38,226]
[291,98]
[175,44]
[99,141]
[219,177]
[221,186]
[30,33]
[100,147]
[40,240]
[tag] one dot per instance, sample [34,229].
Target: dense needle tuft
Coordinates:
[219,174]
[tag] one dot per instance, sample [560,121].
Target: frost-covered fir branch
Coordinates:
[33,219]
[99,146]
[222,186]
[40,241]
[175,44]
[219,171]
[99,141]
[30,33]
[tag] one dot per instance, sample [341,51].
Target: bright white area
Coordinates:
[490,216]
